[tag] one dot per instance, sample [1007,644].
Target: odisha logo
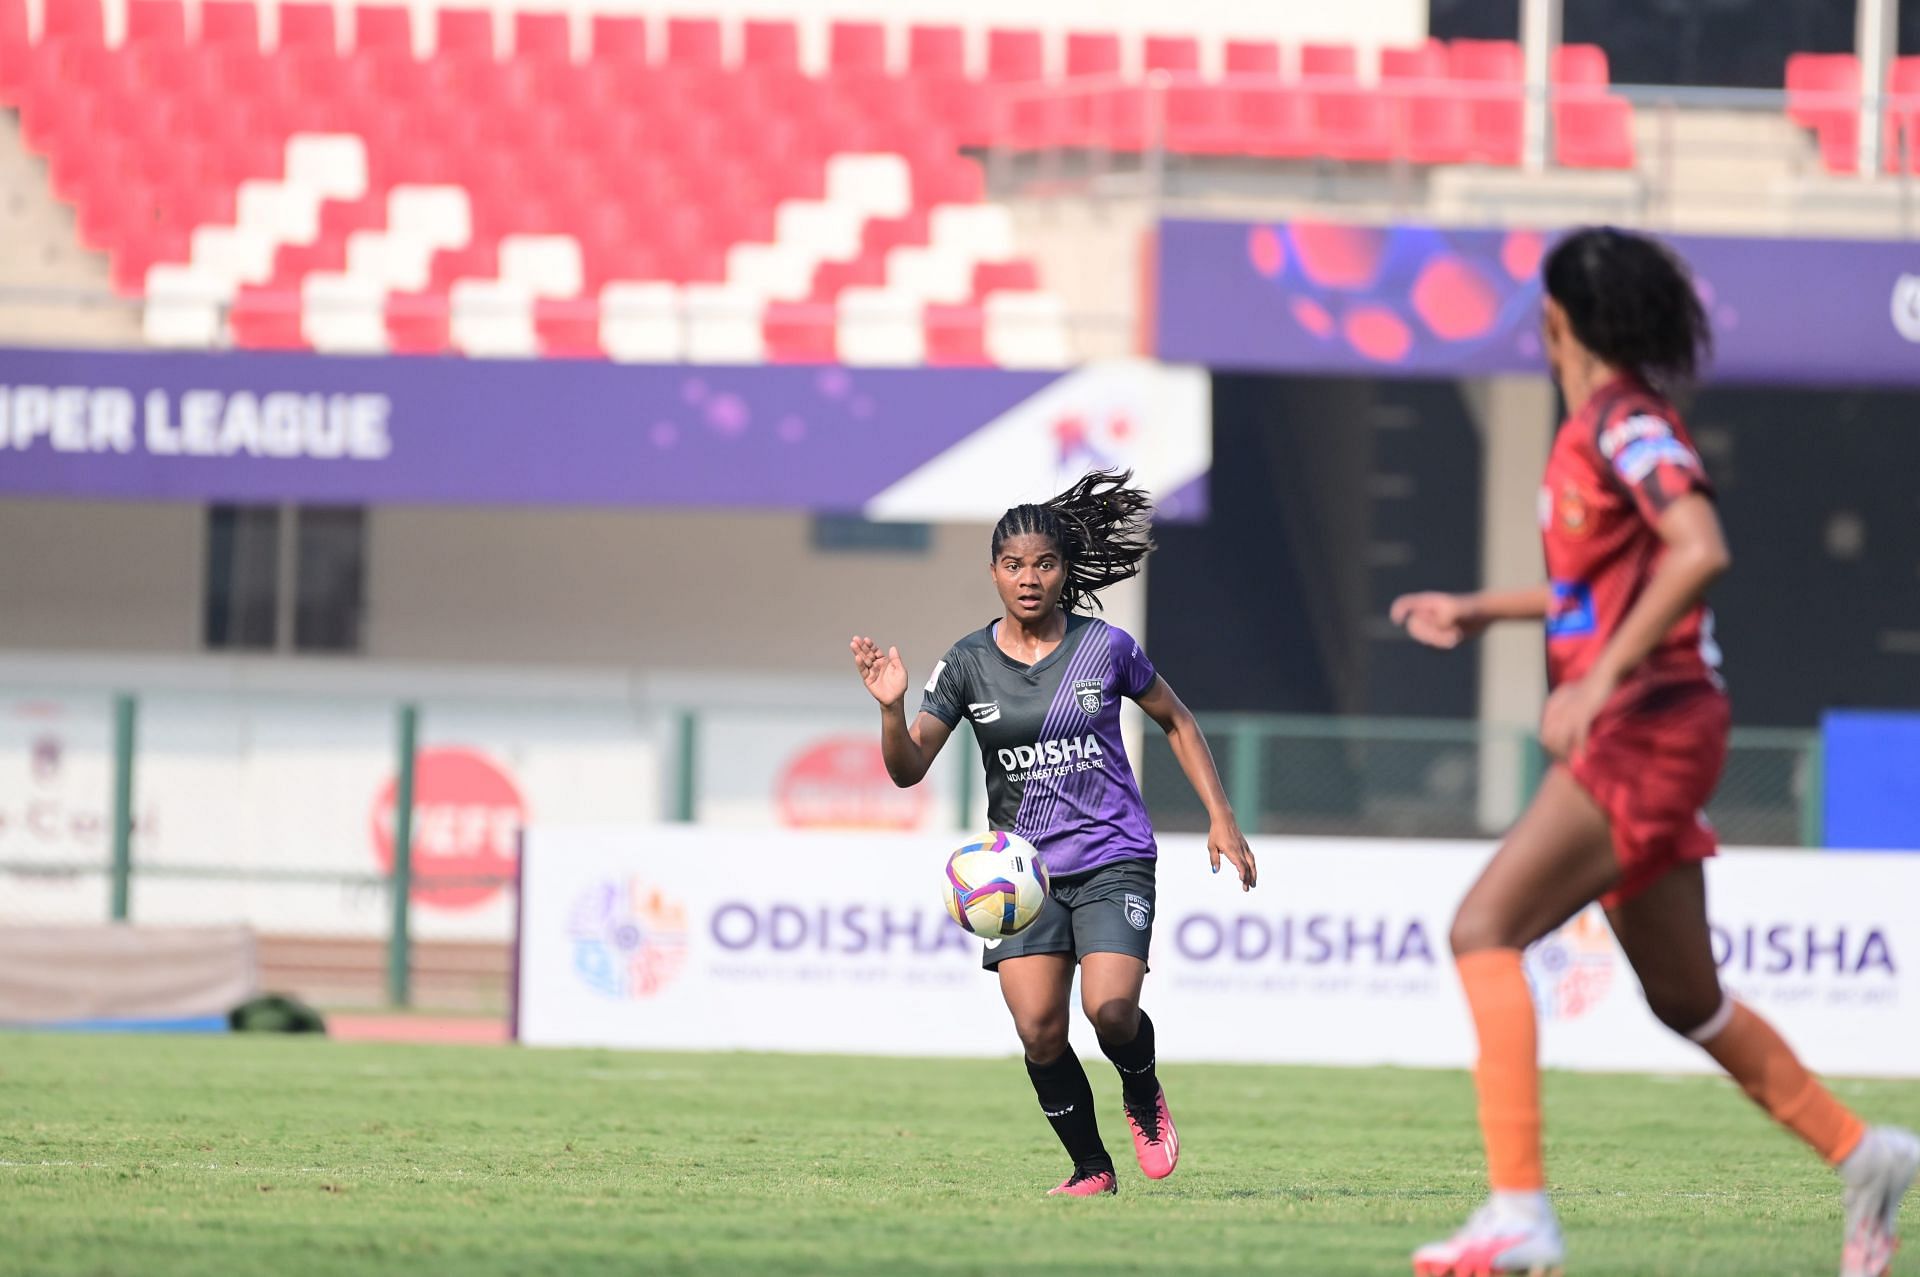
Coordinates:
[1572,969]
[629,940]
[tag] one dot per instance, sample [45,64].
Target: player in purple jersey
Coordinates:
[1042,686]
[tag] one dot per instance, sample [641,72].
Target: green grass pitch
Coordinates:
[282,1156]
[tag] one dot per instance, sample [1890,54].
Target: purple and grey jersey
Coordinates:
[1049,734]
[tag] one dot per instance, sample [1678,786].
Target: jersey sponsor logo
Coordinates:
[1139,909]
[1087,692]
[934,677]
[1571,615]
[1054,753]
[1640,426]
[1639,459]
[984,711]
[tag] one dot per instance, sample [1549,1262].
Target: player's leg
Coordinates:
[1663,932]
[1038,988]
[1112,933]
[1557,859]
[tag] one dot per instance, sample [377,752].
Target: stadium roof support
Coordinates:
[1540,27]
[1876,29]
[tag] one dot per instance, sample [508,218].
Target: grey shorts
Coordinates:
[1106,910]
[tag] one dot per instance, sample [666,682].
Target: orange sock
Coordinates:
[1773,1077]
[1508,1072]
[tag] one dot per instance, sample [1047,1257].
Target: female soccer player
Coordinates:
[1637,721]
[1043,683]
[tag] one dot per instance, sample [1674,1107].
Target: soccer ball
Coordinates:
[995,885]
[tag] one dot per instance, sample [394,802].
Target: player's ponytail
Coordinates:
[1631,302]
[1101,526]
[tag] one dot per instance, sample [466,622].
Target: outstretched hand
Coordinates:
[884,673]
[1225,839]
[1437,619]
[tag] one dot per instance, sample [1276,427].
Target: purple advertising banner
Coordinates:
[1319,297]
[249,427]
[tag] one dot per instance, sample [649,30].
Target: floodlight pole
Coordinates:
[1876,30]
[1540,27]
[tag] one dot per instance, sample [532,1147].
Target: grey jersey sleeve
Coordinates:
[945,695]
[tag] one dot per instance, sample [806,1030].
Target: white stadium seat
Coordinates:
[1026,330]
[546,265]
[343,314]
[492,317]
[724,324]
[641,322]
[881,326]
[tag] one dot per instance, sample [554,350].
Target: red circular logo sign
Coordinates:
[467,816]
[842,783]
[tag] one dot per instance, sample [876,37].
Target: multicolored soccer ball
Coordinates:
[995,885]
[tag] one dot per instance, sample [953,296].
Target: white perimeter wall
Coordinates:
[629,591]
[1364,22]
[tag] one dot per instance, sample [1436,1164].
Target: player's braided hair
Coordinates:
[1631,302]
[1101,527]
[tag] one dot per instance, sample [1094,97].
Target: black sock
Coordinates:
[1135,1062]
[1066,1097]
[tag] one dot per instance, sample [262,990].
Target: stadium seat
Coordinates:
[233,23]
[15,52]
[1025,330]
[993,277]
[641,322]
[1093,53]
[1253,57]
[155,22]
[799,332]
[693,42]
[1496,108]
[1593,132]
[619,40]
[1329,62]
[1269,122]
[1581,64]
[1823,94]
[880,327]
[76,21]
[567,327]
[463,32]
[936,50]
[769,45]
[417,323]
[1015,55]
[1176,53]
[384,27]
[857,46]
[1426,62]
[545,37]
[1197,119]
[955,336]
[308,26]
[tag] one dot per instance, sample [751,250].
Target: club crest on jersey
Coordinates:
[1087,692]
[1574,519]
[1138,910]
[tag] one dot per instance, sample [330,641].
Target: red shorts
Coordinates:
[1651,766]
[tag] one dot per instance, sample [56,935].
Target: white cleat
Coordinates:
[1501,1238]
[1877,1175]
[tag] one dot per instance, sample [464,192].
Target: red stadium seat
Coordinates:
[1593,132]
[881,235]
[1177,53]
[1496,61]
[1015,55]
[1419,62]
[1584,64]
[266,317]
[770,45]
[568,327]
[1197,119]
[964,108]
[1253,57]
[857,46]
[463,32]
[693,42]
[230,23]
[545,37]
[1823,94]
[1437,128]
[1353,124]
[864,271]
[939,50]
[417,323]
[1093,53]
[619,40]
[15,52]
[1270,122]
[995,277]
[1329,62]
[75,21]
[155,22]
[1496,108]
[383,26]
[956,336]
[308,26]
[799,333]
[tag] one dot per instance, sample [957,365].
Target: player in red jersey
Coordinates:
[1637,722]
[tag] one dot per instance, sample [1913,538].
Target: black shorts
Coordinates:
[1105,910]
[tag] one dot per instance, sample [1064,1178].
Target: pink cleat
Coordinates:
[1155,1142]
[1087,1184]
[1497,1240]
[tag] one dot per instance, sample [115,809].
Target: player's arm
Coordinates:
[1448,620]
[1196,760]
[909,750]
[1696,555]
